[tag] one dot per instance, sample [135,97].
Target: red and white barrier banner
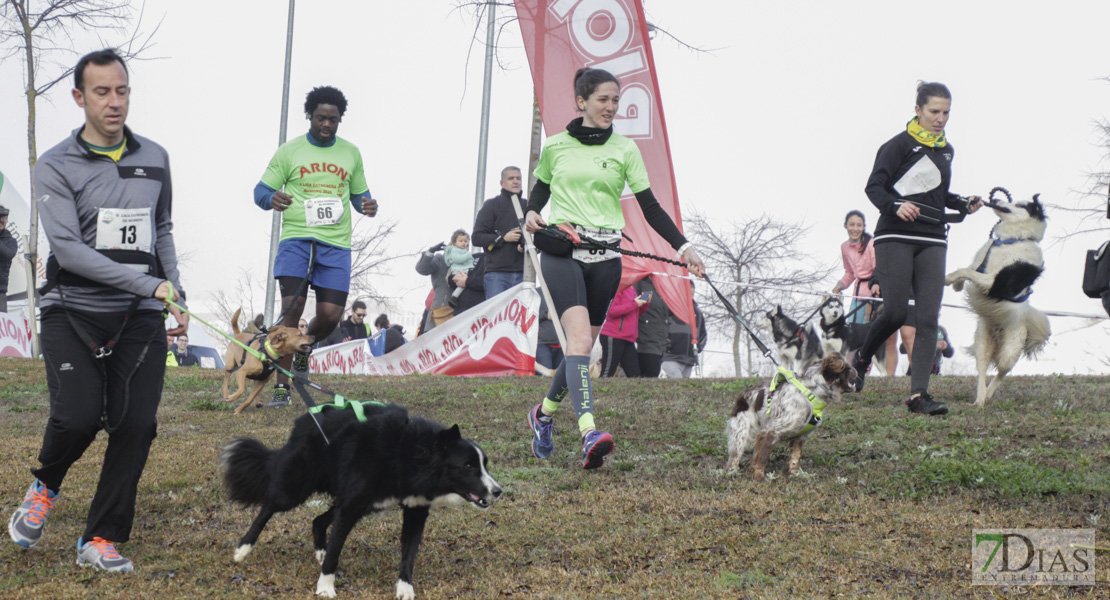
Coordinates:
[15,335]
[497,337]
[562,36]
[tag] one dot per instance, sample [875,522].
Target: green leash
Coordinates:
[299,381]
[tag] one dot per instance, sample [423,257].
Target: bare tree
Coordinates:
[765,256]
[41,33]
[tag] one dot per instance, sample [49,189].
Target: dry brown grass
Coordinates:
[884,510]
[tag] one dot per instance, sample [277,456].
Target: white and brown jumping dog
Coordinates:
[1001,278]
[790,408]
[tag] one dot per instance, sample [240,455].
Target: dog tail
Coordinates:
[1037,330]
[245,462]
[235,321]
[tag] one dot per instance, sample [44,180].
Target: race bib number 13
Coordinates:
[323,211]
[124,229]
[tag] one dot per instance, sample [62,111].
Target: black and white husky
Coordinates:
[1001,278]
[798,346]
[838,335]
[389,460]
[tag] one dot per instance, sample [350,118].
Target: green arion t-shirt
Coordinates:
[587,181]
[321,181]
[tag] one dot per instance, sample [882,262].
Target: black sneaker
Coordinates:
[924,404]
[861,367]
[280,398]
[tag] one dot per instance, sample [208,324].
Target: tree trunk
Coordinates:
[31,255]
[534,149]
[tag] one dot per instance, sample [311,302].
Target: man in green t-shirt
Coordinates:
[310,180]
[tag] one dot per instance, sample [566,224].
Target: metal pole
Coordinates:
[483,138]
[275,224]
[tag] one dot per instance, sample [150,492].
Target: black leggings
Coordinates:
[909,271]
[614,353]
[574,283]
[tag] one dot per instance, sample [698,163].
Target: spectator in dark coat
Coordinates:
[680,358]
[497,233]
[431,263]
[353,327]
[651,342]
[8,249]
[472,283]
[394,334]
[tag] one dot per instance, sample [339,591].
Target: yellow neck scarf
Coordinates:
[927,138]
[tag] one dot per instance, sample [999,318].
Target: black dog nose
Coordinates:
[496,492]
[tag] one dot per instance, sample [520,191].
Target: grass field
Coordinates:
[884,508]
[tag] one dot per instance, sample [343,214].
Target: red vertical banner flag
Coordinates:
[562,36]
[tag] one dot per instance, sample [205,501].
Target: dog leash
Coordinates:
[755,338]
[299,381]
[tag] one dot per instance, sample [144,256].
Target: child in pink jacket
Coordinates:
[618,334]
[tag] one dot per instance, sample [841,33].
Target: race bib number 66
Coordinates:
[323,211]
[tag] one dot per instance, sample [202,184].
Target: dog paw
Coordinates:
[241,552]
[326,586]
[405,591]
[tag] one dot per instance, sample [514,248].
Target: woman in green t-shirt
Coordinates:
[583,171]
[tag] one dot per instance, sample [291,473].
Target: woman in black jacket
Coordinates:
[909,186]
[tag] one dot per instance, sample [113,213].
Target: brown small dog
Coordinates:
[279,342]
[791,415]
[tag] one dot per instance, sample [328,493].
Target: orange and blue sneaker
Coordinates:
[27,523]
[101,555]
[595,446]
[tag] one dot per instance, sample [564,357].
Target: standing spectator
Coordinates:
[431,263]
[497,232]
[8,249]
[858,254]
[680,359]
[548,351]
[353,327]
[909,184]
[618,334]
[389,337]
[182,354]
[171,358]
[468,287]
[100,179]
[302,326]
[651,342]
[458,259]
[311,180]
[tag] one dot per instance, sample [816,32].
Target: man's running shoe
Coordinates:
[101,555]
[542,444]
[300,363]
[594,448]
[280,398]
[30,518]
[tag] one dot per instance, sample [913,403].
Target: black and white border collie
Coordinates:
[391,460]
[1001,277]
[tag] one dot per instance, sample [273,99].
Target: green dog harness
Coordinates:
[816,405]
[341,402]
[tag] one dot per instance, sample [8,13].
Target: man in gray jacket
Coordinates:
[105,208]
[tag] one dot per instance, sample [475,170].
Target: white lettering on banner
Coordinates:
[634,116]
[465,345]
[602,30]
[15,336]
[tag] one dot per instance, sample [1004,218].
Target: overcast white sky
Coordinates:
[785,115]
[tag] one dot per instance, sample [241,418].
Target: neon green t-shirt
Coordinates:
[587,181]
[321,181]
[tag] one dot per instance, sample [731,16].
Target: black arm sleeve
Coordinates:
[541,193]
[658,218]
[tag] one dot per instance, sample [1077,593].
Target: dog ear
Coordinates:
[279,336]
[448,437]
[1035,208]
